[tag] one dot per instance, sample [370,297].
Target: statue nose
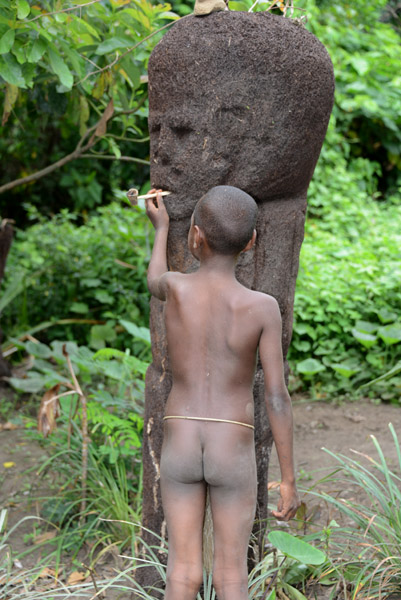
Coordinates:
[167,144]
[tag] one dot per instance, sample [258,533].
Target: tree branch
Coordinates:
[79,152]
[57,12]
[121,138]
[141,161]
[47,170]
[118,57]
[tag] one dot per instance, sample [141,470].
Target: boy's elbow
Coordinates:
[278,401]
[155,288]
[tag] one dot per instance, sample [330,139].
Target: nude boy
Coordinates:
[215,327]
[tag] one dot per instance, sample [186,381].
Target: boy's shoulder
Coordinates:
[263,302]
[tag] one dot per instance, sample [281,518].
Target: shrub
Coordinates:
[95,270]
[348,296]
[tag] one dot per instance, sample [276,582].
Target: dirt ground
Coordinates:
[339,428]
[335,427]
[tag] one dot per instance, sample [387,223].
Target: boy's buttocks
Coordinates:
[222,454]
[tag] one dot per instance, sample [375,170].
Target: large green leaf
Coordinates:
[23,9]
[310,366]
[344,369]
[366,326]
[132,71]
[38,349]
[7,41]
[391,334]
[11,71]
[113,43]
[60,68]
[37,50]
[100,334]
[366,339]
[386,316]
[140,333]
[296,548]
[33,384]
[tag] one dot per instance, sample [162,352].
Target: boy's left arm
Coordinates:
[158,269]
[279,410]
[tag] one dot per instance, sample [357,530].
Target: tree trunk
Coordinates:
[6,238]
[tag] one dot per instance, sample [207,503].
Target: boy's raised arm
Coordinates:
[279,410]
[157,270]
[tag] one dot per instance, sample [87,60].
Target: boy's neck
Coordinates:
[222,264]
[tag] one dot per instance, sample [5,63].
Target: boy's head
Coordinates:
[227,217]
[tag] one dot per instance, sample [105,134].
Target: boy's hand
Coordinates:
[288,503]
[156,210]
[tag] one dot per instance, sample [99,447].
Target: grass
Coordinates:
[363,556]
[367,552]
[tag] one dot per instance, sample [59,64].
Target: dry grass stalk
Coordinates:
[85,436]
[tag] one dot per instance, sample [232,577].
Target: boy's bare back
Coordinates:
[214,326]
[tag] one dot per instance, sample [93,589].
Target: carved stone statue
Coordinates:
[240,99]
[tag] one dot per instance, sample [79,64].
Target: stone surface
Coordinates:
[240,99]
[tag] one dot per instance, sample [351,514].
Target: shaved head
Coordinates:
[227,217]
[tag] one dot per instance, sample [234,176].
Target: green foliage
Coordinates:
[63,63]
[113,382]
[113,496]
[296,548]
[348,298]
[366,58]
[65,270]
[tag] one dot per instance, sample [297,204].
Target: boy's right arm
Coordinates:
[158,269]
[279,410]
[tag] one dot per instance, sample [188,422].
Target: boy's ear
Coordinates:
[198,236]
[251,242]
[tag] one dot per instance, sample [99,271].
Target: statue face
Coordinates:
[231,103]
[232,134]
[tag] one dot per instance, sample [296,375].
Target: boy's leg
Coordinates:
[233,503]
[183,496]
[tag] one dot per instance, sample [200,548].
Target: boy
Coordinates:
[215,327]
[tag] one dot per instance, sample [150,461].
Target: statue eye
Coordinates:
[154,126]
[181,130]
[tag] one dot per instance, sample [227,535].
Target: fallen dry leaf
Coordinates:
[102,124]
[44,537]
[10,580]
[8,426]
[47,572]
[76,577]
[273,485]
[49,411]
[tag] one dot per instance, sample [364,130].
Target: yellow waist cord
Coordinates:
[209,419]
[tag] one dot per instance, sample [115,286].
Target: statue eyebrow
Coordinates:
[184,120]
[153,123]
[232,107]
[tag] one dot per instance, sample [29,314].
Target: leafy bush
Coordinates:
[113,384]
[366,54]
[94,271]
[348,297]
